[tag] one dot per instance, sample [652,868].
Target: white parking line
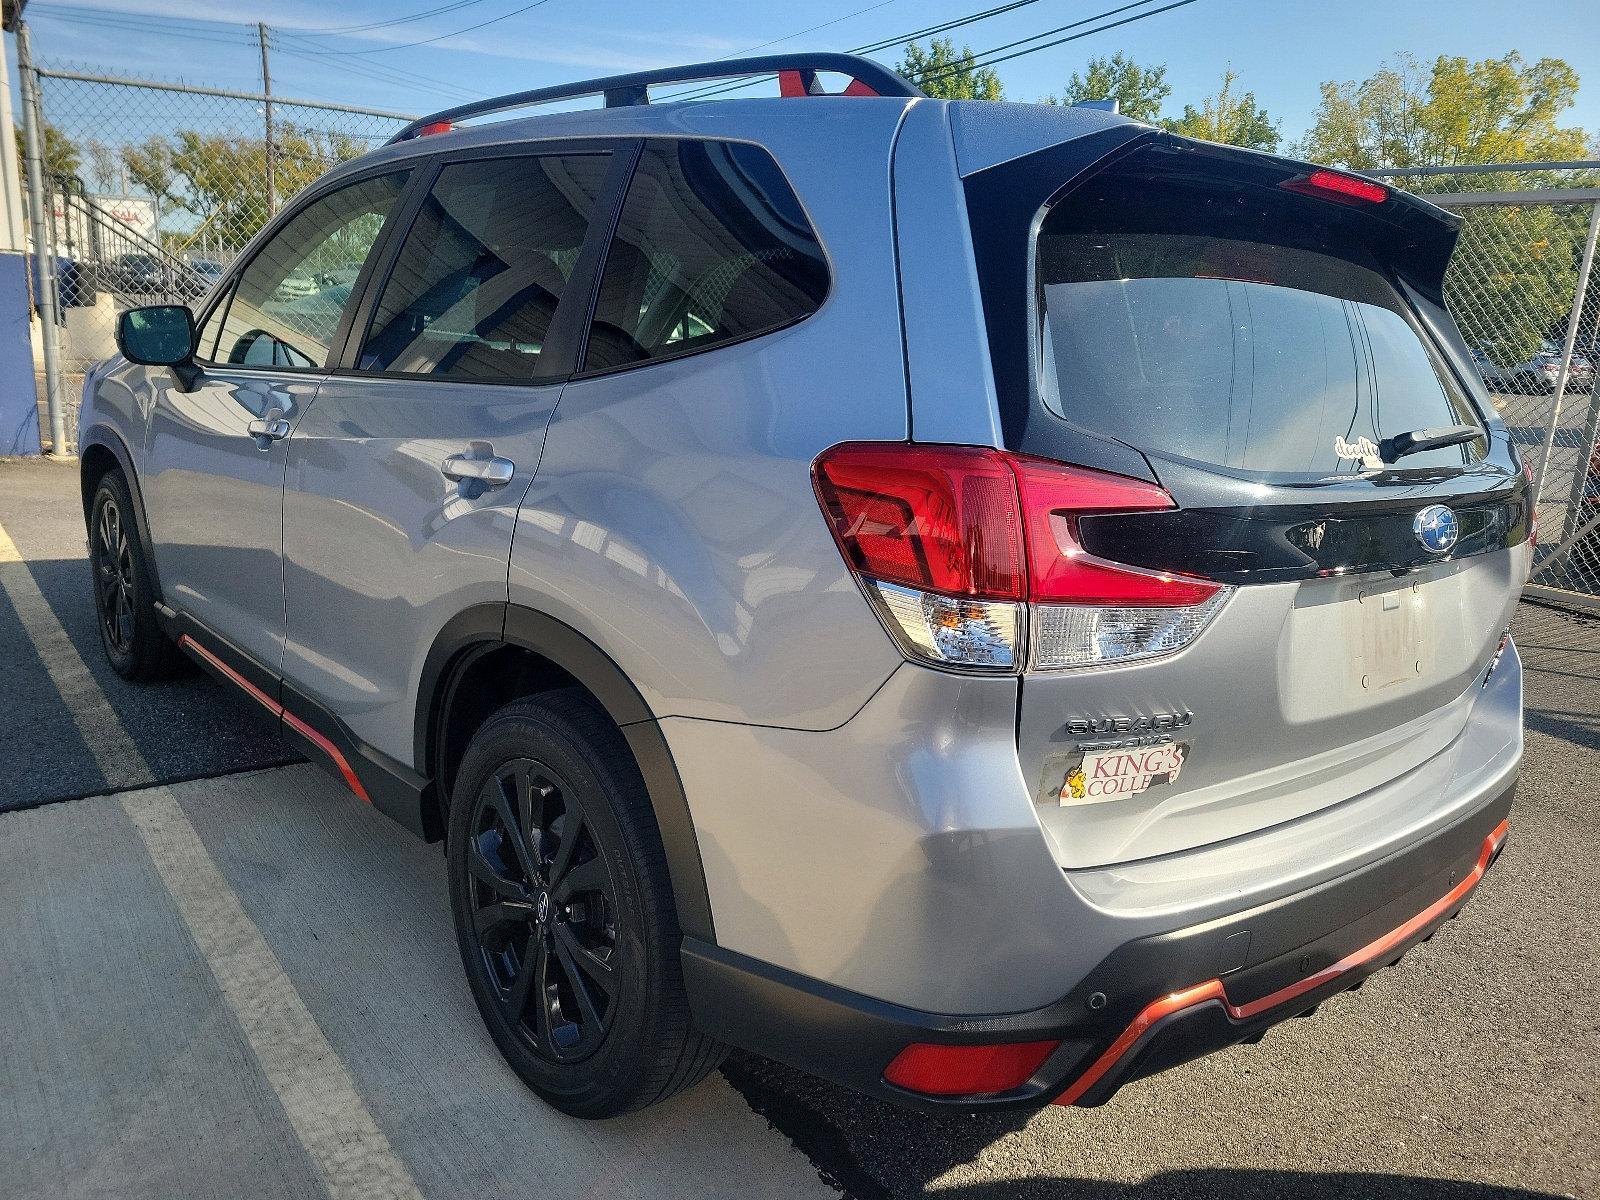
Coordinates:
[350,1152]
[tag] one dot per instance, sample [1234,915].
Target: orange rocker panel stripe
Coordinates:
[277,710]
[1212,989]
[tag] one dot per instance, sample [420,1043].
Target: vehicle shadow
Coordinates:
[874,1151]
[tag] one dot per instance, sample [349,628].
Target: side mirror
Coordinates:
[161,335]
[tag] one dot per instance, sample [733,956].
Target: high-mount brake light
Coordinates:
[1338,187]
[435,127]
[961,548]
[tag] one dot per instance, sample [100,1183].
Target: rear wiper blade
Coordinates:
[1418,440]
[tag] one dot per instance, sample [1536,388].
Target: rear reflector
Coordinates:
[1338,187]
[966,1070]
[951,542]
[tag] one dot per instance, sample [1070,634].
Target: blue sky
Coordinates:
[1282,51]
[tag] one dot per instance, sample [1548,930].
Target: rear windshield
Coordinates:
[1176,328]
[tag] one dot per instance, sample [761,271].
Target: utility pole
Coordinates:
[272,153]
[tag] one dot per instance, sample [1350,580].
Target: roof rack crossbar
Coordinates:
[622,91]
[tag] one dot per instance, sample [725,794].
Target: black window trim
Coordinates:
[566,335]
[691,351]
[320,190]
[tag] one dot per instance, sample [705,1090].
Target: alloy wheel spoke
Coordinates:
[544,1014]
[571,827]
[486,873]
[528,978]
[585,877]
[507,804]
[502,913]
[590,1025]
[588,961]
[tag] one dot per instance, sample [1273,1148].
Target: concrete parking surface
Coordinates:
[223,976]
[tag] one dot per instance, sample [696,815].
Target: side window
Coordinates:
[712,246]
[206,341]
[482,269]
[285,308]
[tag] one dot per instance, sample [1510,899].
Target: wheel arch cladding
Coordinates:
[491,654]
[102,451]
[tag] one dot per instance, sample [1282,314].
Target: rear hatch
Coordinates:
[1267,343]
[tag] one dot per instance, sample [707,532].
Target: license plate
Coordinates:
[1384,647]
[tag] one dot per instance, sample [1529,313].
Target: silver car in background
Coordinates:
[981,602]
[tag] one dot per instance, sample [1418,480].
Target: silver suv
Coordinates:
[980,602]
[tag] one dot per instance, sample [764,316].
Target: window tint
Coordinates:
[478,278]
[712,245]
[286,307]
[1259,357]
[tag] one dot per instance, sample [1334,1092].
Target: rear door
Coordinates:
[405,475]
[1262,341]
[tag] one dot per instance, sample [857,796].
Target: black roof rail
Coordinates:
[868,79]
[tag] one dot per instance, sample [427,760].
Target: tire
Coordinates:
[567,928]
[124,598]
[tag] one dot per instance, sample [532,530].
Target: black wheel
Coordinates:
[564,912]
[123,598]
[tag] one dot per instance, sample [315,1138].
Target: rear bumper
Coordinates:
[1151,1004]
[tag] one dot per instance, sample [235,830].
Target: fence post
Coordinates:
[1591,427]
[1573,322]
[44,251]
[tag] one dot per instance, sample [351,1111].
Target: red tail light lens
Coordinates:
[952,543]
[1060,571]
[1338,187]
[937,518]
[966,1070]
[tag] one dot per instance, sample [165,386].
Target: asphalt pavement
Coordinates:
[223,976]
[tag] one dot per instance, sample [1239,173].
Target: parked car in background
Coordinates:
[140,274]
[981,602]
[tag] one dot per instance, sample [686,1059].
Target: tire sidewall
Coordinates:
[112,489]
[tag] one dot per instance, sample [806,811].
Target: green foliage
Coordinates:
[222,180]
[1138,91]
[947,74]
[1227,116]
[1454,113]
[61,158]
[1516,268]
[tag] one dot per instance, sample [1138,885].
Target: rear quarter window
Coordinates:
[712,246]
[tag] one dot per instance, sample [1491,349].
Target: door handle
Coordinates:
[484,472]
[267,430]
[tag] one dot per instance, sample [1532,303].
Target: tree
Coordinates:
[1516,267]
[1454,113]
[61,157]
[105,166]
[1234,118]
[946,74]
[1137,90]
[222,180]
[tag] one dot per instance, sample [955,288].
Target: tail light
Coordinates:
[963,550]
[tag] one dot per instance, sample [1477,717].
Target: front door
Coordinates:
[214,462]
[405,476]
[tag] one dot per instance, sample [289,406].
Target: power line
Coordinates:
[989,62]
[802,32]
[382,72]
[516,12]
[420,16]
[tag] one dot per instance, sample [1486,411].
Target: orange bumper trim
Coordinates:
[1213,989]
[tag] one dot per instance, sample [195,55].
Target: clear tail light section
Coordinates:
[968,554]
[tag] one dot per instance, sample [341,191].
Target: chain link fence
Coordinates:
[150,189]
[1524,291]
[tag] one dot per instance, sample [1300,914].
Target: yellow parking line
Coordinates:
[350,1152]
